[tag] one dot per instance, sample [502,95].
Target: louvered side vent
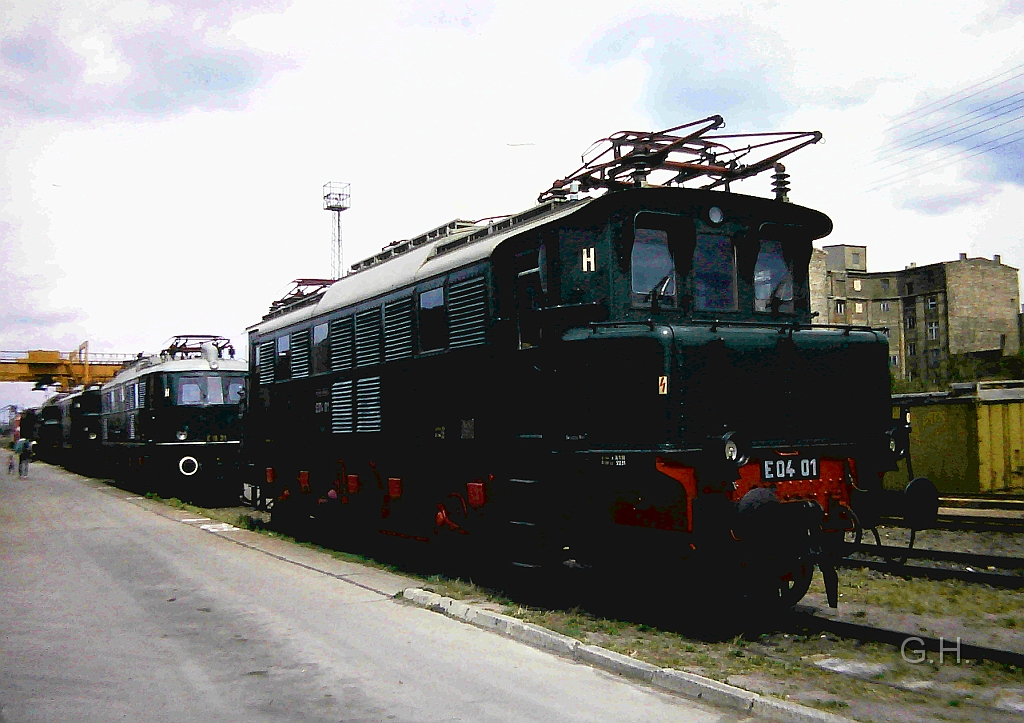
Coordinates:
[341,344]
[131,426]
[398,330]
[368,417]
[467,313]
[341,407]
[267,362]
[142,394]
[300,354]
[368,337]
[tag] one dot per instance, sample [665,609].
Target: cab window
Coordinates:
[714,273]
[653,272]
[773,280]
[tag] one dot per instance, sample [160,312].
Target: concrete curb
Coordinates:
[676,681]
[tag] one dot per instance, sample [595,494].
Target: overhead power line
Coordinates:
[917,111]
[946,129]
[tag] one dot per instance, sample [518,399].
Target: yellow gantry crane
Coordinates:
[65,370]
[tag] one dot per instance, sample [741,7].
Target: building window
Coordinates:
[933,358]
[910,288]
[856,285]
[885,285]
[856,262]
[883,306]
[912,349]
[858,307]
[933,330]
[894,360]
[840,307]
[933,302]
[911,322]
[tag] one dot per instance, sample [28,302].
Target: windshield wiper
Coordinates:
[658,290]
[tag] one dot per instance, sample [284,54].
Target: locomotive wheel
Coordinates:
[794,583]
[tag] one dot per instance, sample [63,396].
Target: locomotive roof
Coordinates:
[198,364]
[385,273]
[447,253]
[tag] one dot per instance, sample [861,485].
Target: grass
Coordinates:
[926,597]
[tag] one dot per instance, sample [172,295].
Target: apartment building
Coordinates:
[932,314]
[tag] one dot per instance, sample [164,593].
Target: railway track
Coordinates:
[810,618]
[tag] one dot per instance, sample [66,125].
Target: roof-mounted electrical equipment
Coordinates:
[628,159]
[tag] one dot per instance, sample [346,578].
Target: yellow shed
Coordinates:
[967,440]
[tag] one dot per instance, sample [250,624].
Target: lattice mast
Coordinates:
[337,198]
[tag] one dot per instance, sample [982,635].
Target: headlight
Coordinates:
[736,448]
[181,435]
[92,435]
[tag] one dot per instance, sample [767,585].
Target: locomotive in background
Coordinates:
[628,381]
[171,420]
[69,431]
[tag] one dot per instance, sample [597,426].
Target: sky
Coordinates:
[163,161]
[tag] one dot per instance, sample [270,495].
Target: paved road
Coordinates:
[113,609]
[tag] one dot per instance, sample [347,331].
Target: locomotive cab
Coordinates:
[698,392]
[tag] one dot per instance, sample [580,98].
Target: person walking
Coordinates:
[23,448]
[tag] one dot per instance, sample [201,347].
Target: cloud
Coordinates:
[942,203]
[460,14]
[161,59]
[698,68]
[26,319]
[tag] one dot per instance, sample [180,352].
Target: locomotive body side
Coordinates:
[625,379]
[176,421]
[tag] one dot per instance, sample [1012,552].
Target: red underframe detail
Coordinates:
[830,485]
[687,477]
[271,475]
[441,519]
[394,487]
[353,484]
[404,536]
[475,494]
[304,482]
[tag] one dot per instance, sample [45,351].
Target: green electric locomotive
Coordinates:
[627,374]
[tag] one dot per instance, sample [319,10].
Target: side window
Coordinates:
[714,273]
[773,280]
[433,320]
[321,349]
[283,365]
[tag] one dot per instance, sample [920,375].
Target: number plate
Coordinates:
[789,468]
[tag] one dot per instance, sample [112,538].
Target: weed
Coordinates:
[832,704]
